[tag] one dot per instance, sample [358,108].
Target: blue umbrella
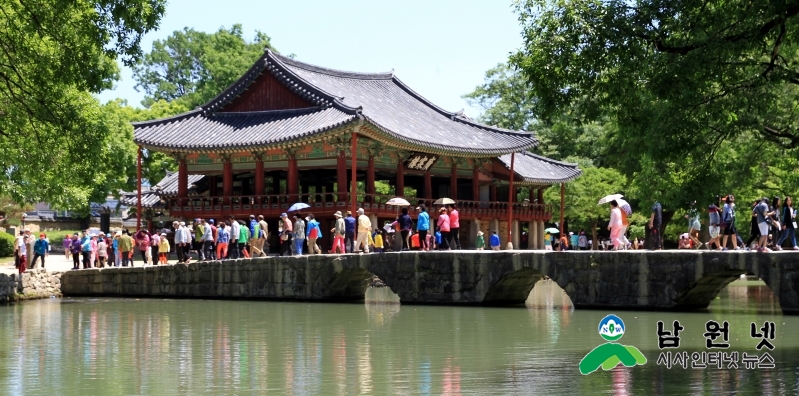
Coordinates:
[299,206]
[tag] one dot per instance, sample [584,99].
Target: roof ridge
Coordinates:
[334,72]
[303,110]
[554,161]
[167,119]
[457,116]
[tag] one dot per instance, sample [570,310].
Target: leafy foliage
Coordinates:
[57,144]
[192,67]
[6,244]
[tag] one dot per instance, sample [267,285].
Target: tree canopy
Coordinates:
[690,71]
[192,67]
[57,143]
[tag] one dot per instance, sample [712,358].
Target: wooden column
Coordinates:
[227,176]
[511,191]
[492,192]
[259,174]
[138,190]
[183,178]
[354,174]
[562,204]
[453,181]
[399,183]
[341,175]
[476,183]
[428,187]
[370,178]
[399,187]
[540,196]
[293,180]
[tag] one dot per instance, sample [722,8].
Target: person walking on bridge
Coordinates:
[285,235]
[454,227]
[349,234]
[313,232]
[364,228]
[422,226]
[615,226]
[339,231]
[299,235]
[444,228]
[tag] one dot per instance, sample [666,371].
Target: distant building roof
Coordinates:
[388,107]
[538,170]
[167,187]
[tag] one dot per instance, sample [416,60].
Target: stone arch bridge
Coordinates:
[642,280]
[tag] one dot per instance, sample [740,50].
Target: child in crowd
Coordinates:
[379,241]
[494,240]
[67,243]
[547,241]
[480,242]
[163,249]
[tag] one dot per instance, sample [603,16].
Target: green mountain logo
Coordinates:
[610,354]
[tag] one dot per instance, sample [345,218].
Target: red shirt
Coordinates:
[454,219]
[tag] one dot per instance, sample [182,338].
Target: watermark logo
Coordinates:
[610,354]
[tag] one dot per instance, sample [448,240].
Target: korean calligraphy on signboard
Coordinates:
[420,162]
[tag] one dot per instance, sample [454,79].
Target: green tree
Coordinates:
[724,67]
[506,102]
[57,144]
[581,197]
[192,67]
[702,96]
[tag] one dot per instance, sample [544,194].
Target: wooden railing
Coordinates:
[328,203]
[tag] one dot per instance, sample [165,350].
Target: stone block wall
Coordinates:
[33,284]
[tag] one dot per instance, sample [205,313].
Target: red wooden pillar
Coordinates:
[138,190]
[476,183]
[428,187]
[562,204]
[370,179]
[259,174]
[341,175]
[293,182]
[227,177]
[399,187]
[183,179]
[511,193]
[453,181]
[354,174]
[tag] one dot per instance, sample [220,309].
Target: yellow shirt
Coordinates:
[379,241]
[163,246]
[369,239]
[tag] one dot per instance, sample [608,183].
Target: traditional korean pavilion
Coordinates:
[289,132]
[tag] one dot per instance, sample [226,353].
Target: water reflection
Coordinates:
[190,347]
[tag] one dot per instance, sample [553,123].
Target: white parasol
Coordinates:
[609,198]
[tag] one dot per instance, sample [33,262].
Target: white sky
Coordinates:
[440,48]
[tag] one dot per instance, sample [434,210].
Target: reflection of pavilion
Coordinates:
[287,132]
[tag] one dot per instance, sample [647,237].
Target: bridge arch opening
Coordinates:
[746,294]
[547,294]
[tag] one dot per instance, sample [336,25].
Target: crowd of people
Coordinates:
[772,222]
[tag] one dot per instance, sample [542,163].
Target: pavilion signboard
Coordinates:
[421,162]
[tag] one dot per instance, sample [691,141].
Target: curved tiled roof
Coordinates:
[406,116]
[535,169]
[397,112]
[237,131]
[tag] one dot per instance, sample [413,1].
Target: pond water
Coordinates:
[110,346]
